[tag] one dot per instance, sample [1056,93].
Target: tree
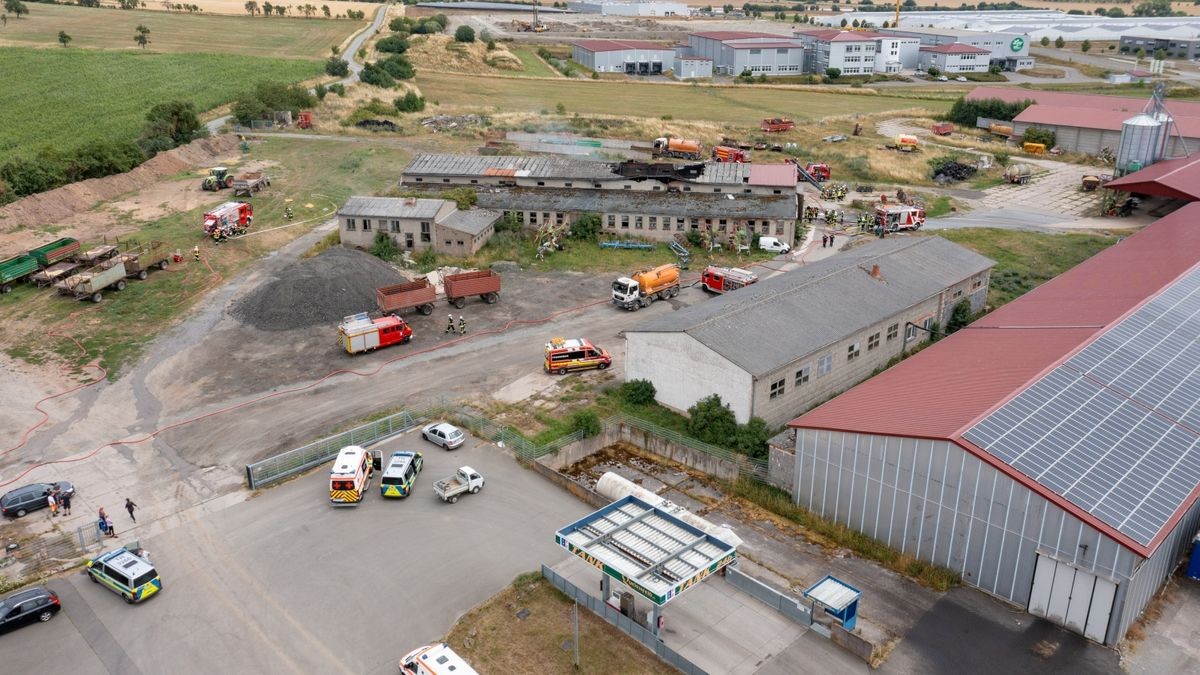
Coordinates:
[844,23]
[1045,41]
[712,421]
[933,71]
[325,10]
[410,102]
[1085,46]
[1153,8]
[142,37]
[280,10]
[63,38]
[376,76]
[15,7]
[169,125]
[336,67]
[251,7]
[751,438]
[1140,54]
[1115,13]
[833,73]
[959,317]
[638,392]
[392,44]
[1059,42]
[586,227]
[398,66]
[1159,55]
[464,34]
[854,23]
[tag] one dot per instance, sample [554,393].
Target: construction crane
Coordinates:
[896,19]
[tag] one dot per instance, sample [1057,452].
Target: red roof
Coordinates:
[619,45]
[768,45]
[1095,118]
[834,35]
[774,175]
[1022,340]
[1092,101]
[955,48]
[1175,178]
[736,35]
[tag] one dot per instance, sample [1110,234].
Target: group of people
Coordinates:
[827,240]
[57,499]
[462,324]
[105,523]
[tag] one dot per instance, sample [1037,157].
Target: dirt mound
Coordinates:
[68,200]
[317,291]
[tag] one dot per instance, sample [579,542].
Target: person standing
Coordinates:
[52,501]
[449,323]
[109,529]
[196,252]
[462,325]
[130,506]
[64,501]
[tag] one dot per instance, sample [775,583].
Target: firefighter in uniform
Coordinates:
[449,323]
[462,325]
[196,252]
[287,213]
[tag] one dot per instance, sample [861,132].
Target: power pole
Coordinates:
[576,642]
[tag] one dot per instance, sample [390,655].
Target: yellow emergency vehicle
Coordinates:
[350,477]
[563,355]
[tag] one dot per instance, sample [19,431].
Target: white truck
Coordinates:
[465,480]
[435,659]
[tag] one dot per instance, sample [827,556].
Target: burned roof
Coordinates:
[671,204]
[532,166]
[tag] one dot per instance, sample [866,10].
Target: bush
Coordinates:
[751,438]
[169,125]
[933,71]
[374,75]
[410,102]
[320,91]
[339,89]
[383,247]
[1059,42]
[586,227]
[967,112]
[393,44]
[994,69]
[638,392]
[960,317]
[1038,135]
[712,421]
[585,421]
[464,34]
[268,97]
[833,73]
[509,223]
[336,67]
[1002,158]
[694,237]
[398,67]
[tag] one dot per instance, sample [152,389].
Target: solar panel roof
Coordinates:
[1115,429]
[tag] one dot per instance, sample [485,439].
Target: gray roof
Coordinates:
[470,222]
[673,204]
[774,322]
[724,173]
[533,166]
[391,207]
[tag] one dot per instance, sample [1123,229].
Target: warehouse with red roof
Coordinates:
[1049,453]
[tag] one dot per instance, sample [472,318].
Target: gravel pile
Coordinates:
[318,291]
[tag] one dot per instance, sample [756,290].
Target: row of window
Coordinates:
[366,224]
[853,351]
[653,223]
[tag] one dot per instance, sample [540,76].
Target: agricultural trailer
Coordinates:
[88,285]
[15,269]
[55,272]
[419,294]
[59,249]
[247,184]
[484,283]
[139,260]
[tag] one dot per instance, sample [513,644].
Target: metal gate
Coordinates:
[1070,597]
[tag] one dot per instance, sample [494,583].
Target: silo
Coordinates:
[1142,140]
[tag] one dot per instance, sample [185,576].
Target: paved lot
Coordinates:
[1172,642]
[285,583]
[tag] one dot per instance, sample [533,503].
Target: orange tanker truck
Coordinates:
[684,148]
[644,287]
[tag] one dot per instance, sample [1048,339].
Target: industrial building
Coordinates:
[1010,51]
[736,52]
[659,216]
[1175,48]
[1049,452]
[776,348]
[692,67]
[954,58]
[615,8]
[1033,24]
[632,57]
[416,224]
[857,52]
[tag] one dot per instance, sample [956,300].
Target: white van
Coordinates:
[436,659]
[773,244]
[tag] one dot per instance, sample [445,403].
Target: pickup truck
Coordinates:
[465,480]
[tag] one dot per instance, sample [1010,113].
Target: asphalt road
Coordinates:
[286,583]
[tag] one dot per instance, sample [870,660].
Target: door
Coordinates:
[1073,598]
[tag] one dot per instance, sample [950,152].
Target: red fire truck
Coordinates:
[228,220]
[361,333]
[723,279]
[899,217]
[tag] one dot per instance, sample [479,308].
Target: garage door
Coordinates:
[1071,597]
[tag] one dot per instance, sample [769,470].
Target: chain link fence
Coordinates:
[46,555]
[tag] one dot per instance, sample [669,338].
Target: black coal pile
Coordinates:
[318,291]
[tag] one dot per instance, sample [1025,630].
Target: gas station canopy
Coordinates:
[652,552]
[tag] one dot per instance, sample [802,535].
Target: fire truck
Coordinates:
[723,279]
[361,333]
[228,220]
[899,217]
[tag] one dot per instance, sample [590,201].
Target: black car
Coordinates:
[27,606]
[32,497]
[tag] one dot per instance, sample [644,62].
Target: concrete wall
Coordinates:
[684,371]
[1076,139]
[781,460]
[642,61]
[651,443]
[408,234]
[453,242]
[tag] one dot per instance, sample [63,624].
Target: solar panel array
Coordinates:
[1116,428]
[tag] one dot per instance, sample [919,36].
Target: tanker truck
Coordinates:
[644,287]
[683,148]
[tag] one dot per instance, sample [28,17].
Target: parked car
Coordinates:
[773,245]
[125,573]
[16,503]
[960,78]
[942,78]
[446,435]
[27,606]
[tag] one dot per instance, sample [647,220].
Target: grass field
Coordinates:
[89,94]
[728,105]
[100,28]
[534,65]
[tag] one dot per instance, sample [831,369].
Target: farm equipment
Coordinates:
[724,279]
[1018,174]
[304,120]
[88,285]
[627,244]
[1004,130]
[361,333]
[484,283]
[941,129]
[725,153]
[95,255]
[140,259]
[59,249]
[15,269]
[53,273]
[1090,183]
[646,286]
[899,217]
[419,294]
[681,252]
[904,143]
[218,178]
[684,148]
[228,220]
[1034,148]
[247,184]
[776,124]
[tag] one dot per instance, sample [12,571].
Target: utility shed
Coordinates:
[1050,452]
[778,347]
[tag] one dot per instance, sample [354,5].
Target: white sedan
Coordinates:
[446,435]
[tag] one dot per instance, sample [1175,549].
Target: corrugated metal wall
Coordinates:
[1148,579]
[938,503]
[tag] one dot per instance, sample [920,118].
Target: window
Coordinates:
[624,222]
[425,231]
[873,342]
[910,331]
[541,183]
[781,51]
[824,365]
[779,227]
[568,185]
[366,224]
[637,222]
[777,388]
[958,293]
[612,222]
[853,351]
[893,331]
[679,224]
[803,374]
[977,283]
[460,242]
[350,224]
[654,222]
[755,51]
[927,324]
[395,226]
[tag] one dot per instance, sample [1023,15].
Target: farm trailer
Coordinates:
[419,294]
[247,184]
[15,269]
[89,284]
[59,249]
[484,283]
[139,260]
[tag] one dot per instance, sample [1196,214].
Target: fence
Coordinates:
[482,427]
[783,603]
[305,457]
[627,625]
[50,554]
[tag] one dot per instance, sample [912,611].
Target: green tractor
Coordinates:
[218,178]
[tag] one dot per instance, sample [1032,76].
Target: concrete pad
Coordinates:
[1172,643]
[524,387]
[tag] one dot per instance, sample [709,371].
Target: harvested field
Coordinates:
[317,291]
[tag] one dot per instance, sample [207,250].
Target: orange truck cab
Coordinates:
[567,354]
[721,279]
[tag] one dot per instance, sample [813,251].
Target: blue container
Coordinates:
[1193,566]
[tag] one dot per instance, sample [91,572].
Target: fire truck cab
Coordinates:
[899,217]
[361,333]
[350,477]
[723,279]
[566,354]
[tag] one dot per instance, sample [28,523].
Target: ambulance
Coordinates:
[566,354]
[437,659]
[350,477]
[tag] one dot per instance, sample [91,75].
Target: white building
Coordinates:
[1033,23]
[857,52]
[613,8]
[693,67]
[954,58]
[1010,51]
[632,57]
[735,52]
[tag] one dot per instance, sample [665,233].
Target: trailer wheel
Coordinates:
[406,340]
[96,297]
[426,309]
[459,302]
[121,285]
[162,265]
[6,288]
[142,275]
[491,298]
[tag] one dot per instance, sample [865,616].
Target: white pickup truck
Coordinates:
[465,480]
